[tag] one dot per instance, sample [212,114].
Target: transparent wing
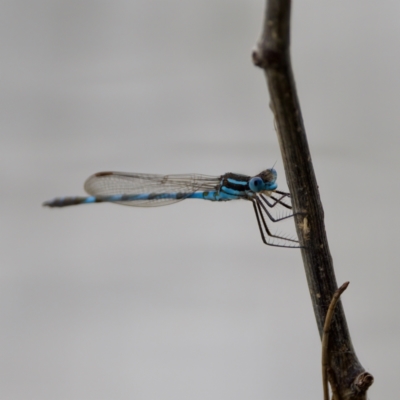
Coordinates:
[148,186]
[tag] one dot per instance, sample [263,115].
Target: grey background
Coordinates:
[184,301]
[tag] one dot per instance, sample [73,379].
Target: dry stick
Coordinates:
[325,338]
[272,54]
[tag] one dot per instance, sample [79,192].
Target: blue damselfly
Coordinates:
[149,190]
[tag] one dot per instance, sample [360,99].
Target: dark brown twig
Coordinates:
[272,54]
[325,338]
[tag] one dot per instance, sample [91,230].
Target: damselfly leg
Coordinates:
[277,200]
[259,207]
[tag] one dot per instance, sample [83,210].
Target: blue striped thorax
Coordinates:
[236,186]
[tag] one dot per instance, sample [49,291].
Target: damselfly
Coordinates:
[146,190]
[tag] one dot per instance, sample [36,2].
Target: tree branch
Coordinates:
[272,54]
[325,339]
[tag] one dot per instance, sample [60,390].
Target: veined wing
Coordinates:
[151,189]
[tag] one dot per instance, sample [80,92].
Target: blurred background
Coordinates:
[185,302]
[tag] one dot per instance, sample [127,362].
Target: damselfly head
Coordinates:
[264,181]
[268,175]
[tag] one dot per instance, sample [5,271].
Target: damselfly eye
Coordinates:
[256,184]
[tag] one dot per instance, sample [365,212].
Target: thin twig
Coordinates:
[272,54]
[325,338]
